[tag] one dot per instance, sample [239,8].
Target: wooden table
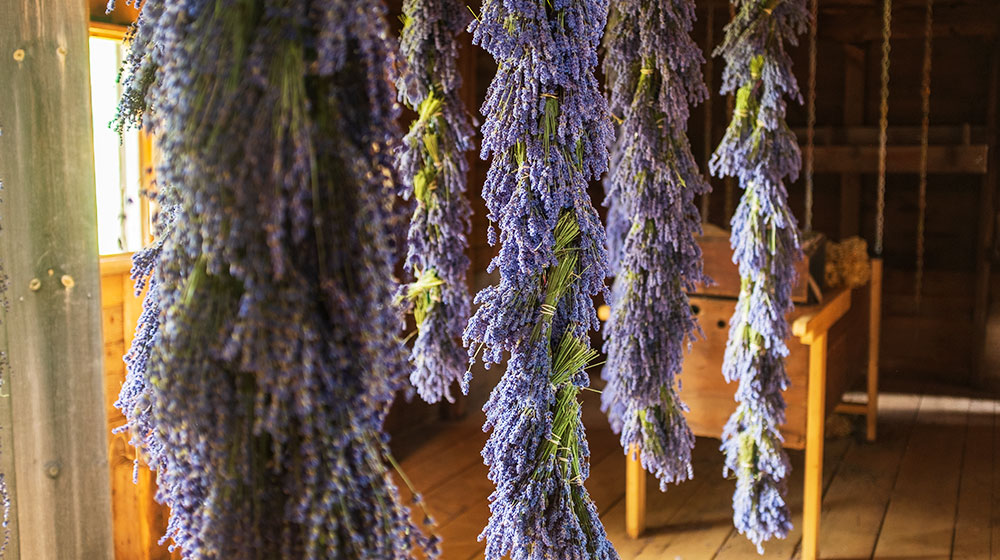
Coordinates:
[816,387]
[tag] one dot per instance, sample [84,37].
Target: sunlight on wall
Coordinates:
[119,222]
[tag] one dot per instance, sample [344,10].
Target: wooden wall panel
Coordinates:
[138,521]
[710,398]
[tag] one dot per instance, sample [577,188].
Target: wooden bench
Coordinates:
[831,347]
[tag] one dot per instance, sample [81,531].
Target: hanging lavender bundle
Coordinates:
[547,128]
[433,167]
[4,493]
[266,356]
[761,151]
[654,71]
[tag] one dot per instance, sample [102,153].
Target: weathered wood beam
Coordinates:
[969,159]
[51,331]
[858,24]
[857,134]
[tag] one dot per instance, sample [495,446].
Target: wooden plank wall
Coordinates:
[138,521]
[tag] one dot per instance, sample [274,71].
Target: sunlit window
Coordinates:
[117,160]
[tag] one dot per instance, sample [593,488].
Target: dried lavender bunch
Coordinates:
[433,168]
[761,151]
[548,130]
[654,70]
[4,367]
[267,354]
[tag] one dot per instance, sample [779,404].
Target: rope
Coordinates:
[925,98]
[883,125]
[707,130]
[811,114]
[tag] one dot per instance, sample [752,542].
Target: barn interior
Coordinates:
[894,407]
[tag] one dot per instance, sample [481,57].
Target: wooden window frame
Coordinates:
[147,155]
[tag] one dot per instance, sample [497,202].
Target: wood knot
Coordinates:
[53,469]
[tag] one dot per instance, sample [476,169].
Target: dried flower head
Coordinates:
[548,130]
[267,353]
[433,168]
[654,71]
[760,150]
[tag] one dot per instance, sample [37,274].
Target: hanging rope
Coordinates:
[811,113]
[925,98]
[883,126]
[707,146]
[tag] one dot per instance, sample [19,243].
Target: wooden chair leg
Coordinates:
[815,424]
[874,340]
[635,494]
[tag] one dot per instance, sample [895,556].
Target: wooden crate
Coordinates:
[710,398]
[719,266]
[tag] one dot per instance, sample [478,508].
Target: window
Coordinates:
[120,162]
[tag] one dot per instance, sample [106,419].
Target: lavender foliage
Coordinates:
[433,167]
[654,71]
[267,353]
[761,151]
[548,130]
[4,367]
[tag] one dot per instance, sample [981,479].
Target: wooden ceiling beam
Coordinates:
[868,135]
[971,159]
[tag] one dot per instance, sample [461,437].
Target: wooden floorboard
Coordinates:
[700,527]
[972,520]
[855,504]
[919,522]
[663,509]
[738,547]
[459,532]
[927,489]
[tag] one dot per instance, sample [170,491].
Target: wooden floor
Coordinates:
[928,489]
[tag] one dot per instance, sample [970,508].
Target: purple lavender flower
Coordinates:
[654,71]
[4,364]
[760,150]
[4,493]
[433,167]
[5,504]
[547,128]
[267,353]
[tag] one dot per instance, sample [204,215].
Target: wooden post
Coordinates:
[815,421]
[812,330]
[635,494]
[874,342]
[52,413]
